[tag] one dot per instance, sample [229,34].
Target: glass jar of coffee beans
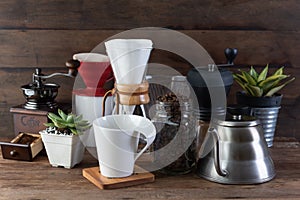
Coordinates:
[174,146]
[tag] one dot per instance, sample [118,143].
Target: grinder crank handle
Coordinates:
[72,66]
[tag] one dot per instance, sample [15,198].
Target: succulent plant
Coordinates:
[260,84]
[68,123]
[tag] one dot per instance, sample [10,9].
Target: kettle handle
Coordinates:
[217,161]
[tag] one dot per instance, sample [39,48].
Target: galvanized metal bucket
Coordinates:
[268,119]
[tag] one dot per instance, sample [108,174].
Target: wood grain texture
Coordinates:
[123,14]
[290,105]
[102,182]
[48,48]
[11,95]
[11,81]
[38,180]
[46,33]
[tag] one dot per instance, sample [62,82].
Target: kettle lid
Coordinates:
[238,121]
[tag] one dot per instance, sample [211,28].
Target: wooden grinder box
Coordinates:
[32,121]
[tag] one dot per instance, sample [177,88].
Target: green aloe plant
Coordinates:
[260,84]
[69,122]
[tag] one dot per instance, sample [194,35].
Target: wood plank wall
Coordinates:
[46,33]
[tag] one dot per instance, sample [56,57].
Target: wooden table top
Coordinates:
[38,180]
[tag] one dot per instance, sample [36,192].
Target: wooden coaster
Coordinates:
[102,182]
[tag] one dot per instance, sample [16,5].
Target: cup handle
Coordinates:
[149,139]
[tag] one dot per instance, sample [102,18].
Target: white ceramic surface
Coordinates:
[91,108]
[63,150]
[129,58]
[117,138]
[90,57]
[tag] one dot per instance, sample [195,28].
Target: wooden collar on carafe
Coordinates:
[128,94]
[132,94]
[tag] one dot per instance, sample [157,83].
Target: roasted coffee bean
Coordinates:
[173,123]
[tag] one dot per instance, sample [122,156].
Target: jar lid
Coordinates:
[195,76]
[238,121]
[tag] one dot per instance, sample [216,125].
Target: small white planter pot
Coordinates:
[63,150]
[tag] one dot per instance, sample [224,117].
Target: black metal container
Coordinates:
[195,78]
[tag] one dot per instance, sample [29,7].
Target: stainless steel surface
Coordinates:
[238,155]
[238,121]
[217,159]
[268,119]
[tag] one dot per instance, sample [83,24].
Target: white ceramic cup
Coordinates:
[117,138]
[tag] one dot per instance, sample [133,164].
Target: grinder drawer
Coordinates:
[24,147]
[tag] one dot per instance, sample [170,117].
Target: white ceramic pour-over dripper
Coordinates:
[90,57]
[129,58]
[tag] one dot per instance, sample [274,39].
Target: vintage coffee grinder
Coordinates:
[40,99]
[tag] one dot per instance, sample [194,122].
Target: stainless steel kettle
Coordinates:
[235,152]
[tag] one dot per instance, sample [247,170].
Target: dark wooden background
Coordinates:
[46,33]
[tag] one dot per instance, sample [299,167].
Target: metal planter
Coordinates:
[268,118]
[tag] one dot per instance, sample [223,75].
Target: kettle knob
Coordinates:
[238,110]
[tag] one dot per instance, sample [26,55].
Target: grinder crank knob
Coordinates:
[73,66]
[230,54]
